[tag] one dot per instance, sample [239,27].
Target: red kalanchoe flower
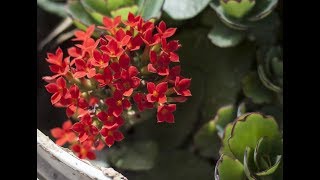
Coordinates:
[109,119]
[132,20]
[84,69]
[83,36]
[120,37]
[157,93]
[169,49]
[160,64]
[182,86]
[142,102]
[113,49]
[98,78]
[100,60]
[105,78]
[58,66]
[64,134]
[163,32]
[173,73]
[110,24]
[58,89]
[85,128]
[128,81]
[111,134]
[148,38]
[84,150]
[164,113]
[117,103]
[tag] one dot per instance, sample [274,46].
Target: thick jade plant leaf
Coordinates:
[243,14]
[228,168]
[136,156]
[207,141]
[255,90]
[149,9]
[184,9]
[248,129]
[54,7]
[178,164]
[223,36]
[171,136]
[222,68]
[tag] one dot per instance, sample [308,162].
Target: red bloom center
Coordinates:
[83,151]
[126,85]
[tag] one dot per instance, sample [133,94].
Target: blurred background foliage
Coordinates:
[232,50]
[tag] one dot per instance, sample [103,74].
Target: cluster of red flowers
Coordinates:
[99,80]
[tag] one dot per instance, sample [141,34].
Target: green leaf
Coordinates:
[207,141]
[237,9]
[116,4]
[99,6]
[149,9]
[247,131]
[223,68]
[261,150]
[53,7]
[224,116]
[79,14]
[123,12]
[255,90]
[247,163]
[170,136]
[184,9]
[229,21]
[228,168]
[262,9]
[225,146]
[265,31]
[223,36]
[272,169]
[174,165]
[135,156]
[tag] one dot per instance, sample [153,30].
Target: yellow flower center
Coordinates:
[119,103]
[110,118]
[155,93]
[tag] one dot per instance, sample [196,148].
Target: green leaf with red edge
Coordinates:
[225,146]
[228,168]
[248,129]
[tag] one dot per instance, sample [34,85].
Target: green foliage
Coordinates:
[135,156]
[254,147]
